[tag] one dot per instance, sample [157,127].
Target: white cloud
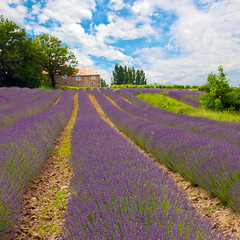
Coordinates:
[116,4]
[67,11]
[124,28]
[83,59]
[206,38]
[16,13]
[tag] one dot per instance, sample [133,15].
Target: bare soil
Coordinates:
[223,217]
[45,199]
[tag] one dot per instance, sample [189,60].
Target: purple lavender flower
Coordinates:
[24,148]
[42,102]
[206,162]
[118,193]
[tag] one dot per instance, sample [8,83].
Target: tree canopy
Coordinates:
[128,75]
[220,96]
[103,83]
[20,57]
[57,58]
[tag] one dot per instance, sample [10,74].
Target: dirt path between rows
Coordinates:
[45,200]
[223,217]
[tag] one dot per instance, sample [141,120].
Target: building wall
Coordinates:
[85,81]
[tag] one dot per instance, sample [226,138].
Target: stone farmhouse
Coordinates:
[85,77]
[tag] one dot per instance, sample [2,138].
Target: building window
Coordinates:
[64,76]
[93,77]
[78,78]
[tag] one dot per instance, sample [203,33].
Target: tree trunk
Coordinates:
[53,81]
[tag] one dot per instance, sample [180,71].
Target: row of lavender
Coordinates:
[118,193]
[8,94]
[31,104]
[190,97]
[204,161]
[24,147]
[13,97]
[227,132]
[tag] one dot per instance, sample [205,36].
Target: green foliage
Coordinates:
[103,83]
[128,75]
[57,58]
[161,100]
[220,96]
[20,58]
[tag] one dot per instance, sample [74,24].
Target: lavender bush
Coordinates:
[14,92]
[24,147]
[202,160]
[13,99]
[118,193]
[11,115]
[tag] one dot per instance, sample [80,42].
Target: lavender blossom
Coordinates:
[118,193]
[206,162]
[227,132]
[14,99]
[10,115]
[24,148]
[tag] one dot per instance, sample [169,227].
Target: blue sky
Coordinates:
[173,41]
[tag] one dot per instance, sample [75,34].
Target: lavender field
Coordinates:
[117,192]
[25,143]
[190,97]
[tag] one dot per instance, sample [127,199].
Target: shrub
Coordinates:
[220,96]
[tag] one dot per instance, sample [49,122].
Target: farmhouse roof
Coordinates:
[86,71]
[83,71]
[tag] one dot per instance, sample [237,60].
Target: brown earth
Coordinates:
[224,218]
[45,199]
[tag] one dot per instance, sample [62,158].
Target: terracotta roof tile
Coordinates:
[83,71]
[86,71]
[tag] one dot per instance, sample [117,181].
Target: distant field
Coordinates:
[162,101]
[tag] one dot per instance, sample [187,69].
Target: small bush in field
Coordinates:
[220,96]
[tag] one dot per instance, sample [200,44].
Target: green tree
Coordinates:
[138,77]
[103,83]
[115,75]
[220,96]
[20,57]
[133,76]
[58,59]
[127,75]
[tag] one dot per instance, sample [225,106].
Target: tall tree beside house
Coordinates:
[20,57]
[128,75]
[58,59]
[103,83]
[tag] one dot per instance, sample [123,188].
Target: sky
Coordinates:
[173,41]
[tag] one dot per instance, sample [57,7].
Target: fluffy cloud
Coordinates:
[14,10]
[125,29]
[67,11]
[116,4]
[206,38]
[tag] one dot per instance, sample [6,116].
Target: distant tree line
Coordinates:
[23,59]
[128,75]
